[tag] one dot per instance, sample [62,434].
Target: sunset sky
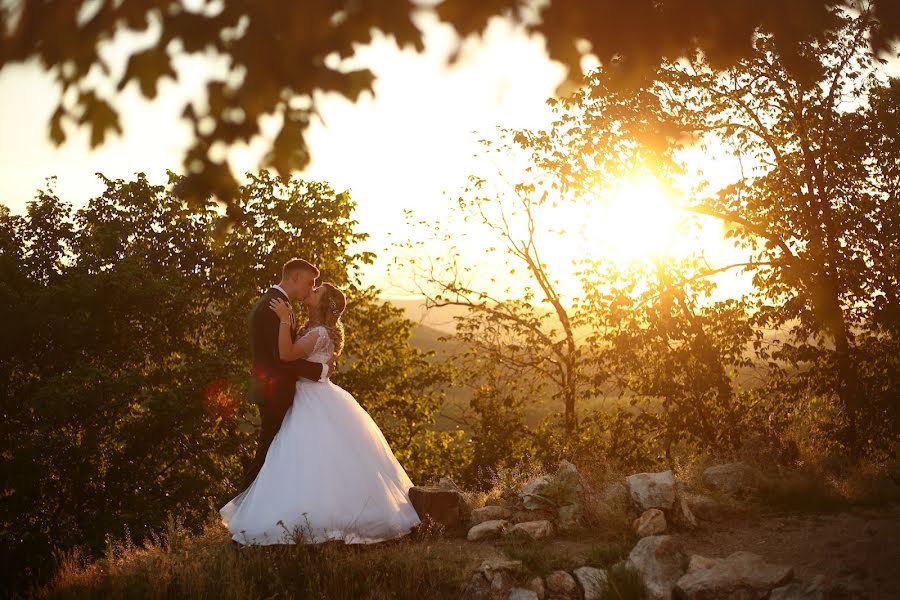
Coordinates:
[410,146]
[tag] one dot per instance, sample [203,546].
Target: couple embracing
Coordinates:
[322,467]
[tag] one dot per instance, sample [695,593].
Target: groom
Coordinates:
[273,379]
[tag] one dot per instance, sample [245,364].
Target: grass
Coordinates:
[624,584]
[209,565]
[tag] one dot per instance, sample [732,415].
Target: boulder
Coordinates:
[706,508]
[698,563]
[446,483]
[492,566]
[478,588]
[593,582]
[437,505]
[569,516]
[536,585]
[536,530]
[660,561]
[533,496]
[682,513]
[731,478]
[524,516]
[799,590]
[652,490]
[522,594]
[652,522]
[560,583]
[740,575]
[487,530]
[489,513]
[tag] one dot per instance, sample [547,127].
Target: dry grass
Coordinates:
[209,565]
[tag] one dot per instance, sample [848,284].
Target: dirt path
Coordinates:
[858,549]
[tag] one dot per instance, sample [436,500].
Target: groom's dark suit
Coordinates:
[273,379]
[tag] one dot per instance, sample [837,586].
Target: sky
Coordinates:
[410,146]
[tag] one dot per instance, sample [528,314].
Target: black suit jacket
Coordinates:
[274,379]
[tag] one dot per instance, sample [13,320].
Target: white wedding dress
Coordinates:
[329,475]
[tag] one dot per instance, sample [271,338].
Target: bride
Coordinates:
[329,473]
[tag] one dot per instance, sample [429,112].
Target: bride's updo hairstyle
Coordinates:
[328,313]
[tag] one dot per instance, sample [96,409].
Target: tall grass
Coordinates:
[209,565]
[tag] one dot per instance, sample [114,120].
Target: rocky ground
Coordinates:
[690,545]
[857,550]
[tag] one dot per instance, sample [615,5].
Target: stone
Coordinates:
[487,530]
[698,563]
[569,516]
[652,490]
[500,584]
[438,505]
[533,497]
[492,566]
[536,530]
[524,516]
[706,508]
[740,575]
[478,588]
[731,478]
[446,483]
[682,513]
[522,594]
[652,522]
[660,560]
[490,513]
[592,581]
[560,583]
[536,585]
[799,590]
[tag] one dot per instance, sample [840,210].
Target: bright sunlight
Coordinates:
[635,221]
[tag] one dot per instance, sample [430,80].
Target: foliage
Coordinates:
[126,353]
[277,58]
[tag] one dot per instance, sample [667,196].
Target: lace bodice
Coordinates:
[324,347]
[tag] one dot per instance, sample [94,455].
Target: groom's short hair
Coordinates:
[298,264]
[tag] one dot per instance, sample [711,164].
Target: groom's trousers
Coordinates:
[271,411]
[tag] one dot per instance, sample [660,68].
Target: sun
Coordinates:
[635,221]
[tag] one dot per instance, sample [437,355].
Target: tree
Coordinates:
[125,356]
[813,211]
[280,55]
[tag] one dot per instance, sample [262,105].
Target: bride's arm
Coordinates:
[287,349]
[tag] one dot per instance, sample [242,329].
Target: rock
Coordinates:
[536,585]
[569,516]
[652,522]
[536,530]
[593,582]
[446,483]
[682,513]
[740,575]
[490,513]
[487,530]
[615,494]
[698,563]
[524,516]
[501,583]
[567,468]
[478,588]
[652,490]
[499,565]
[731,478]
[560,583]
[437,505]
[522,594]
[660,560]
[798,590]
[533,495]
[706,508]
